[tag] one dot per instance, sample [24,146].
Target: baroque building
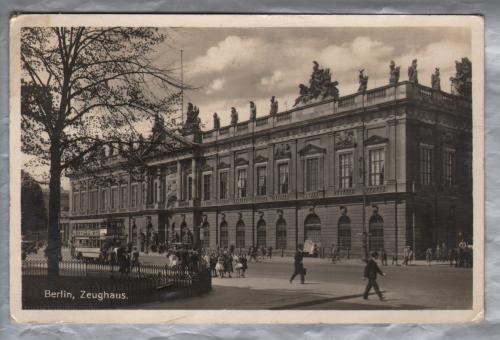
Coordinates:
[394,162]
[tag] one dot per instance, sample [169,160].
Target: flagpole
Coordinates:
[182,88]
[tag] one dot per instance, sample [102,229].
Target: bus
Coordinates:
[91,237]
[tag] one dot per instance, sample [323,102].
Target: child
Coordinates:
[238,266]
[219,267]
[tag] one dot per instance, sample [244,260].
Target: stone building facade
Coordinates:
[394,161]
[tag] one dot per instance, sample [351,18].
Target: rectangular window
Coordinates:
[425,165]
[283,178]
[93,200]
[312,174]
[114,198]
[206,186]
[75,202]
[104,199]
[223,185]
[262,181]
[123,197]
[376,167]
[345,170]
[242,183]
[83,201]
[449,168]
[190,188]
[134,196]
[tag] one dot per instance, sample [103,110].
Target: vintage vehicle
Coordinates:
[90,238]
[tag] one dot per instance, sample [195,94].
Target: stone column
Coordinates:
[194,174]
[179,180]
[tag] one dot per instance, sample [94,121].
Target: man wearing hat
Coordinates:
[371,271]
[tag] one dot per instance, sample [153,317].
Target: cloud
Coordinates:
[276,79]
[257,67]
[232,52]
[216,85]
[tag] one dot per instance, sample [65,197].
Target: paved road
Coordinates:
[334,286]
[329,286]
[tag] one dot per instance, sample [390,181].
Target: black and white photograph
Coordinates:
[224,168]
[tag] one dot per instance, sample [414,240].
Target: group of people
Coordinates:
[371,271]
[259,253]
[223,263]
[459,256]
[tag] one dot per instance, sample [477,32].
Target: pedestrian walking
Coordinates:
[384,257]
[370,273]
[228,263]
[299,265]
[428,256]
[244,265]
[270,252]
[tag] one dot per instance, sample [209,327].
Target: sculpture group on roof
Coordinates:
[436,80]
[234,116]
[394,73]
[320,87]
[461,83]
[253,111]
[412,72]
[193,122]
[363,81]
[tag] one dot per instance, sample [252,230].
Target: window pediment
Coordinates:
[223,165]
[206,167]
[375,139]
[241,161]
[311,149]
[260,159]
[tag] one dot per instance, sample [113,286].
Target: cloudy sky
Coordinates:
[231,66]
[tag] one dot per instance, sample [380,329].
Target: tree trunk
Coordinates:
[54,236]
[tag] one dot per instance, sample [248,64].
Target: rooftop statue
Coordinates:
[412,72]
[363,81]
[320,87]
[436,80]
[274,106]
[461,83]
[193,122]
[234,116]
[253,111]
[216,121]
[394,73]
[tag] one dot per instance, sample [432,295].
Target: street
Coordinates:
[333,286]
[328,286]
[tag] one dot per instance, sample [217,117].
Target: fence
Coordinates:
[95,286]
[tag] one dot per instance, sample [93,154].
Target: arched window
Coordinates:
[205,232]
[240,234]
[344,233]
[376,233]
[224,242]
[281,234]
[261,234]
[312,228]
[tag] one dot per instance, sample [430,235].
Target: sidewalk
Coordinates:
[317,260]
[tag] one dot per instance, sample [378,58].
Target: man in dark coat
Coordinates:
[298,265]
[371,271]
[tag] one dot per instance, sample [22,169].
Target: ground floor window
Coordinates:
[240,234]
[344,233]
[261,234]
[281,234]
[376,233]
[312,229]
[224,237]
[205,235]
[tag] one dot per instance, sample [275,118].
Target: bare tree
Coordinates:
[83,88]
